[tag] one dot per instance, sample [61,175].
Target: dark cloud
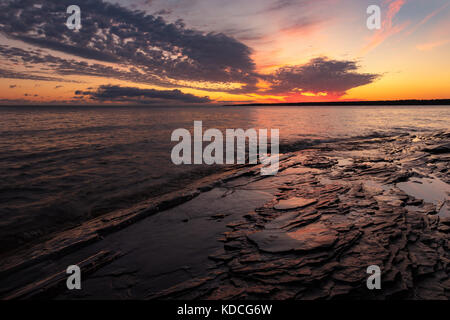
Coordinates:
[282,4]
[13,101]
[71,67]
[66,67]
[111,33]
[320,75]
[110,93]
[300,7]
[8,74]
[147,49]
[33,102]
[163,12]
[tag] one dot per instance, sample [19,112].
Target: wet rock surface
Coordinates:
[309,232]
[311,237]
[294,203]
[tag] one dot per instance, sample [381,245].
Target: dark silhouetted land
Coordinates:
[435,102]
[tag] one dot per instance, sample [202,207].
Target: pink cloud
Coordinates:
[431,45]
[388,28]
[437,37]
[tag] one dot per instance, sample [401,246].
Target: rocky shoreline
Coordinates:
[309,232]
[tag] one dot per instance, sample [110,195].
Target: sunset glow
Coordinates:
[223,52]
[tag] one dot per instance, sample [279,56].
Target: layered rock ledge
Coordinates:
[309,232]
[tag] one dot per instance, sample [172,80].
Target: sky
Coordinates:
[164,52]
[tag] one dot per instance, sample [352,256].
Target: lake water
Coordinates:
[63,165]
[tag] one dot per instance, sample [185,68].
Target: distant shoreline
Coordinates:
[411,102]
[435,102]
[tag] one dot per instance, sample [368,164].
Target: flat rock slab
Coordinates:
[312,237]
[237,240]
[294,203]
[439,149]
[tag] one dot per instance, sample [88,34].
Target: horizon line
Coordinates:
[402,102]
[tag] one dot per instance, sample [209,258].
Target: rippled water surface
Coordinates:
[63,165]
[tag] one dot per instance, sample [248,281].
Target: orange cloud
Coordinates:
[431,45]
[307,97]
